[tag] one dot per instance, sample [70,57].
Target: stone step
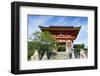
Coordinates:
[60,55]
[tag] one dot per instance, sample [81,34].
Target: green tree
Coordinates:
[30,49]
[43,42]
[77,48]
[47,43]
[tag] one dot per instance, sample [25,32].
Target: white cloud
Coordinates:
[34,23]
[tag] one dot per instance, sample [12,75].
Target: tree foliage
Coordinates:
[30,49]
[43,42]
[78,47]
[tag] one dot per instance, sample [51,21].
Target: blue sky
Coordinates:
[35,20]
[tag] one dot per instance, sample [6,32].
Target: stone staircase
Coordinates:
[59,55]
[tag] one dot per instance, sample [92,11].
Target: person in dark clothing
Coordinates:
[70,54]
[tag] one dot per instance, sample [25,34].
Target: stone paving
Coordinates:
[59,55]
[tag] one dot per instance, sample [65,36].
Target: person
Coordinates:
[70,53]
